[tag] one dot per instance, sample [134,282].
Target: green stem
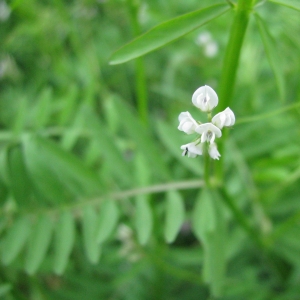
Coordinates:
[140,75]
[207,168]
[231,60]
[207,158]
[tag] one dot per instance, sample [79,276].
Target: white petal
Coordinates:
[192,149]
[183,115]
[224,118]
[219,119]
[187,123]
[213,151]
[205,98]
[208,127]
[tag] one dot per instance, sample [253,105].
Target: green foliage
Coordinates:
[174,215]
[166,33]
[272,54]
[96,200]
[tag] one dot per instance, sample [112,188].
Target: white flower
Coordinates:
[208,132]
[225,118]
[187,123]
[213,151]
[192,149]
[205,98]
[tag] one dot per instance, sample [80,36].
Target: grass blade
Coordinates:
[167,32]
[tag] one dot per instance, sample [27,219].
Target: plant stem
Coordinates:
[231,60]
[207,168]
[140,76]
[207,158]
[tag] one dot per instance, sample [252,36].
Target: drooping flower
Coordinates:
[208,132]
[205,98]
[192,149]
[224,118]
[187,123]
[213,151]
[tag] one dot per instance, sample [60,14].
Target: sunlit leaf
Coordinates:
[272,55]
[167,32]
[64,241]
[38,243]
[15,239]
[108,219]
[175,214]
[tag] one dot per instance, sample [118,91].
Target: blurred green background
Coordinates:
[77,148]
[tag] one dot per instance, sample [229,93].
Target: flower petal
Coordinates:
[213,151]
[205,98]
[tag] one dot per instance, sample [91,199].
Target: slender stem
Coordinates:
[206,168]
[122,195]
[231,60]
[207,164]
[140,75]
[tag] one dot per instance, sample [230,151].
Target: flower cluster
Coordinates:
[206,99]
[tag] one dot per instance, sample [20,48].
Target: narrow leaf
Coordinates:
[108,219]
[174,215]
[272,55]
[294,4]
[64,241]
[167,32]
[15,239]
[91,247]
[143,219]
[38,244]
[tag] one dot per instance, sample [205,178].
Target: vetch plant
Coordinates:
[206,99]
